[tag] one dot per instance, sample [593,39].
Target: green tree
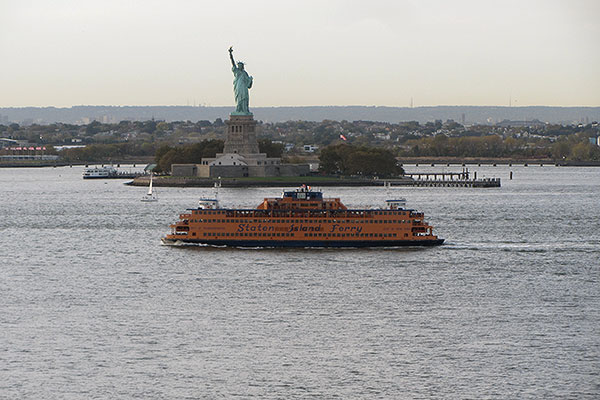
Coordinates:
[92,128]
[560,149]
[363,160]
[191,154]
[270,148]
[581,152]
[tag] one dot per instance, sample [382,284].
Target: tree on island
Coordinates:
[359,160]
[270,148]
[192,154]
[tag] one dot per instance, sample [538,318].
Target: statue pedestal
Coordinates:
[241,135]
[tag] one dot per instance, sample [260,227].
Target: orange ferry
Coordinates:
[302,218]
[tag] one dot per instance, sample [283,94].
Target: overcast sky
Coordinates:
[148,52]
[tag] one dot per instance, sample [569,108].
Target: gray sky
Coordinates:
[148,52]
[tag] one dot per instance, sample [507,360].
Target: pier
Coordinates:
[474,183]
[446,179]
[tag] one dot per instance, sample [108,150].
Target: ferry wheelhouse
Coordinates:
[302,218]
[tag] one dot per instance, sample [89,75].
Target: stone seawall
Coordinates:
[168,181]
[265,182]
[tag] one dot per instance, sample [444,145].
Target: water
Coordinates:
[93,306]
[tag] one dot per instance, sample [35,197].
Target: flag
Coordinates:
[343,137]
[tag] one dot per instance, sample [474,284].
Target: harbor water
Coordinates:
[92,305]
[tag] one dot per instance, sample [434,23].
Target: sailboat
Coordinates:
[150,196]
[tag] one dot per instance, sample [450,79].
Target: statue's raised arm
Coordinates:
[241,83]
[231,56]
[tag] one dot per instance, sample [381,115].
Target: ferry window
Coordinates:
[406,235]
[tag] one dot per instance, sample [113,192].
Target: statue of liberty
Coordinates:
[241,83]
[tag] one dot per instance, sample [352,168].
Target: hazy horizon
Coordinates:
[385,53]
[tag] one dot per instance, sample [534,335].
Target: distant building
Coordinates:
[289,146]
[310,148]
[382,136]
[6,142]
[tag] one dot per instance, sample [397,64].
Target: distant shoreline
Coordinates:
[466,161]
[422,114]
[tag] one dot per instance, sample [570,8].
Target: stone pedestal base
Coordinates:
[241,135]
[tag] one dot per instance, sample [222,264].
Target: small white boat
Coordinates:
[150,196]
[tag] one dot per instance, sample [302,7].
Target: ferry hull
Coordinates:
[308,243]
